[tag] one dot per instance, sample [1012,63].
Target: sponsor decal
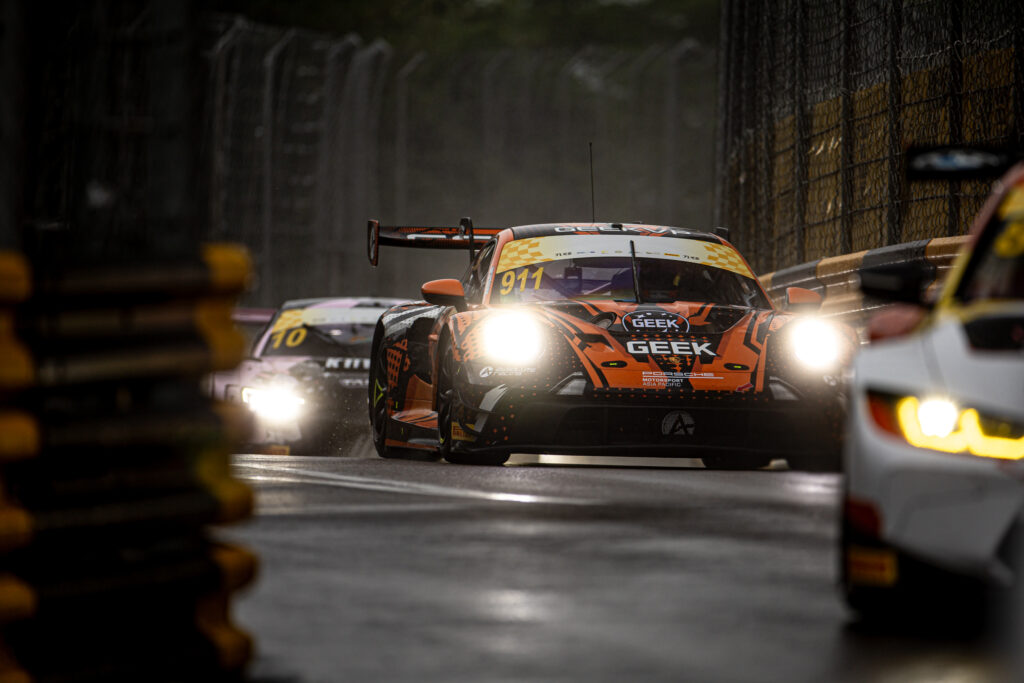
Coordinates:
[491,371]
[678,423]
[613,364]
[736,366]
[655,321]
[673,379]
[639,229]
[347,364]
[355,382]
[669,348]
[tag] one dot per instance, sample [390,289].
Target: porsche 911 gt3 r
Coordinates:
[935,451]
[307,376]
[609,338]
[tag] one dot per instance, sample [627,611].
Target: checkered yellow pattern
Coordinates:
[726,258]
[521,253]
[288,320]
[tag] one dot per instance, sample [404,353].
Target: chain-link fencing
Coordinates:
[819,100]
[308,135]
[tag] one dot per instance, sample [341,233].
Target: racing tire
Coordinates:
[819,462]
[446,407]
[736,462]
[378,398]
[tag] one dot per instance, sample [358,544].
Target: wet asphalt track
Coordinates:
[379,570]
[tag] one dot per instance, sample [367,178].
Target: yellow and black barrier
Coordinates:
[114,466]
[835,277]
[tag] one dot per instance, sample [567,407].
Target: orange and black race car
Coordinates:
[603,338]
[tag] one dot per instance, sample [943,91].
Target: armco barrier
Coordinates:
[835,278]
[113,465]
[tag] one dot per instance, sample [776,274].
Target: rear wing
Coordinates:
[464,236]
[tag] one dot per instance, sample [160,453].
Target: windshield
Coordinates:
[321,332]
[668,270]
[998,270]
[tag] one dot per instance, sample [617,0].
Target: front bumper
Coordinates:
[510,420]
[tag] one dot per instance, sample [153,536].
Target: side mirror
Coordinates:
[800,299]
[899,282]
[447,292]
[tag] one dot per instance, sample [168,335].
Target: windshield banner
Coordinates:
[327,315]
[527,252]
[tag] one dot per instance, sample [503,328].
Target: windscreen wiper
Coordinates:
[636,272]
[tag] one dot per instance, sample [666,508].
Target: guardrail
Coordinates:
[835,277]
[112,466]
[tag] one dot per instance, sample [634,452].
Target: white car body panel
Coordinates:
[951,510]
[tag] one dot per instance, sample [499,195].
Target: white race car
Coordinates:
[934,459]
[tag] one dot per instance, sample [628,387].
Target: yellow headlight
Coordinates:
[938,424]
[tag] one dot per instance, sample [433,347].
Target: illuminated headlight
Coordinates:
[512,338]
[938,424]
[815,344]
[275,404]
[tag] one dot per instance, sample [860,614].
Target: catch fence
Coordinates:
[308,135]
[819,100]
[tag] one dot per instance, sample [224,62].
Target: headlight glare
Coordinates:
[815,344]
[275,404]
[937,417]
[512,338]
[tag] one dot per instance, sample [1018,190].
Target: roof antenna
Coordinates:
[593,214]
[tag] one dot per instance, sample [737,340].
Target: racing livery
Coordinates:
[934,492]
[603,338]
[307,375]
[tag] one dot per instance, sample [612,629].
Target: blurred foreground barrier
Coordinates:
[112,464]
[835,278]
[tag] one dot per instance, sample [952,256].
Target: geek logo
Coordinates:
[655,321]
[669,348]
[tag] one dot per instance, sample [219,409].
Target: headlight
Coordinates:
[512,338]
[815,343]
[938,424]
[275,404]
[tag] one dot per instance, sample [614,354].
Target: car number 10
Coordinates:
[291,338]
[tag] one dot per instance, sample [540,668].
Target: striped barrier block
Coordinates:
[113,467]
[836,277]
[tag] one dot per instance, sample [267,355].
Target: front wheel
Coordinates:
[735,462]
[449,409]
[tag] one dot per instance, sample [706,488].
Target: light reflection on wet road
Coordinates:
[583,570]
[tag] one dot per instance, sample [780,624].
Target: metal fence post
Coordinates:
[266,271]
[402,136]
[846,132]
[801,151]
[11,104]
[956,114]
[894,216]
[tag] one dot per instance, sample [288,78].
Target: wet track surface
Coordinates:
[397,570]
